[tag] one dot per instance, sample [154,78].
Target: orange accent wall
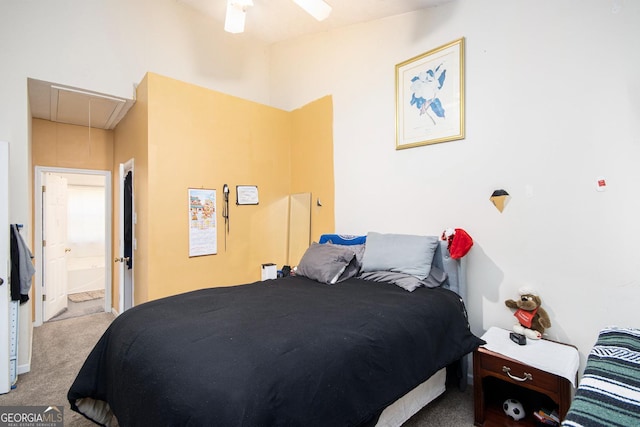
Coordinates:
[200,138]
[70,146]
[183,136]
[312,162]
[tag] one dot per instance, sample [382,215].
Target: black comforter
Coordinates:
[286,352]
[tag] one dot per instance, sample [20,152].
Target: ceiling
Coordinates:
[268,20]
[276,20]
[66,104]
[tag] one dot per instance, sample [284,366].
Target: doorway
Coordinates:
[77,279]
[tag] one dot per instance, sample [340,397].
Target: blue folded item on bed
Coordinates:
[609,392]
[342,239]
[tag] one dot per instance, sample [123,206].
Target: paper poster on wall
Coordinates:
[203,231]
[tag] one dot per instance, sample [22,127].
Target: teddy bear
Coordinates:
[532,318]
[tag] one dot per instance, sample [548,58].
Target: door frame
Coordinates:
[123,170]
[39,253]
[5,295]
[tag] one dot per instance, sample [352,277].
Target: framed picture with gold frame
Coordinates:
[430,97]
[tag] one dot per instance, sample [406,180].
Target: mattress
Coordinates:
[408,405]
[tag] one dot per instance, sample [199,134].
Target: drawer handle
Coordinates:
[527,376]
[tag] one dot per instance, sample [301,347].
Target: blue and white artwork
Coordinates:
[430,97]
[425,91]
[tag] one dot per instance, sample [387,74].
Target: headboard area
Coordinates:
[456,275]
[402,248]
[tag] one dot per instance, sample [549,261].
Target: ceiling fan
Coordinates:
[237,10]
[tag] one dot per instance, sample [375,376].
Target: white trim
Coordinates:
[26,367]
[108,251]
[5,294]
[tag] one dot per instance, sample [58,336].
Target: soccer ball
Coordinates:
[513,409]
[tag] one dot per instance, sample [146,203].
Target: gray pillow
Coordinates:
[406,281]
[358,249]
[436,278]
[328,263]
[400,253]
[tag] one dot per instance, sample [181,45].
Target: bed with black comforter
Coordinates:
[321,348]
[288,352]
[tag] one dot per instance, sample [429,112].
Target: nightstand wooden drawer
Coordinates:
[517,373]
[497,377]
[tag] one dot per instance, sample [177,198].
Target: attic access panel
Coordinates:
[65,104]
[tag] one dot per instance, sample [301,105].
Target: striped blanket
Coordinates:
[609,392]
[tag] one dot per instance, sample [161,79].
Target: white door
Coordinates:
[5,385]
[126,236]
[55,245]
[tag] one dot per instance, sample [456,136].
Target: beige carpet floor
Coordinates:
[59,349]
[81,308]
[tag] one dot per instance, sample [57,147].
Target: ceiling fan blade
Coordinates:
[319,9]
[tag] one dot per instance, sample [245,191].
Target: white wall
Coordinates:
[552,102]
